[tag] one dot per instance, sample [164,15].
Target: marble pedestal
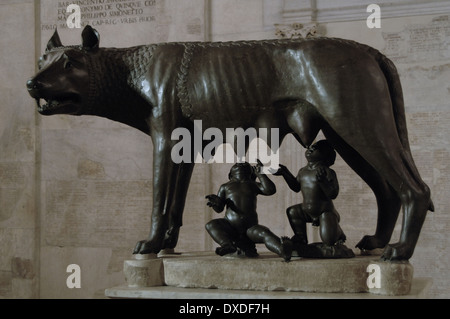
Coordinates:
[267,275]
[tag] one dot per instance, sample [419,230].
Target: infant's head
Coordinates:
[243,170]
[321,151]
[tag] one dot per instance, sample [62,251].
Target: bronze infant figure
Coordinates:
[319,186]
[239,231]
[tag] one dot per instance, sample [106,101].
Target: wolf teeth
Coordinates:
[52,104]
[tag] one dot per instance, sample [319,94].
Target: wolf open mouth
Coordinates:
[51,105]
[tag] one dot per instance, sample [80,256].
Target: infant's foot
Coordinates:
[249,252]
[225,250]
[286,248]
[341,239]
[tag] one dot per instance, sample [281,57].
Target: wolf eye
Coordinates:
[40,63]
[67,65]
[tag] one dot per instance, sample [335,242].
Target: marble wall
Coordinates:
[78,190]
[19,224]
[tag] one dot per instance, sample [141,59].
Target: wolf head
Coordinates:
[63,79]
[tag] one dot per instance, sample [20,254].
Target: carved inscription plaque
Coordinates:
[133,21]
[420,42]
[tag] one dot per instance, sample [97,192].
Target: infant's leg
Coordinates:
[280,246]
[262,235]
[222,233]
[330,231]
[297,220]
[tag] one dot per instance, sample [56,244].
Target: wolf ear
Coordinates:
[54,42]
[91,38]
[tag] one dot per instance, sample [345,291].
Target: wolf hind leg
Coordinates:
[388,203]
[389,158]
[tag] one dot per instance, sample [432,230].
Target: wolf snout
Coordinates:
[33,88]
[31,84]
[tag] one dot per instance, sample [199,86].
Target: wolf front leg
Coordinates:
[170,185]
[184,173]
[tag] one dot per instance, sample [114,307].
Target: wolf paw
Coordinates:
[370,243]
[147,247]
[397,252]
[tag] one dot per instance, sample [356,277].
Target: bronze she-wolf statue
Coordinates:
[348,90]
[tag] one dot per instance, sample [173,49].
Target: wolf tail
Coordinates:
[395,89]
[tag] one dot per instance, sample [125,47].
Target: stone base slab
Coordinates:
[419,290]
[144,272]
[270,273]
